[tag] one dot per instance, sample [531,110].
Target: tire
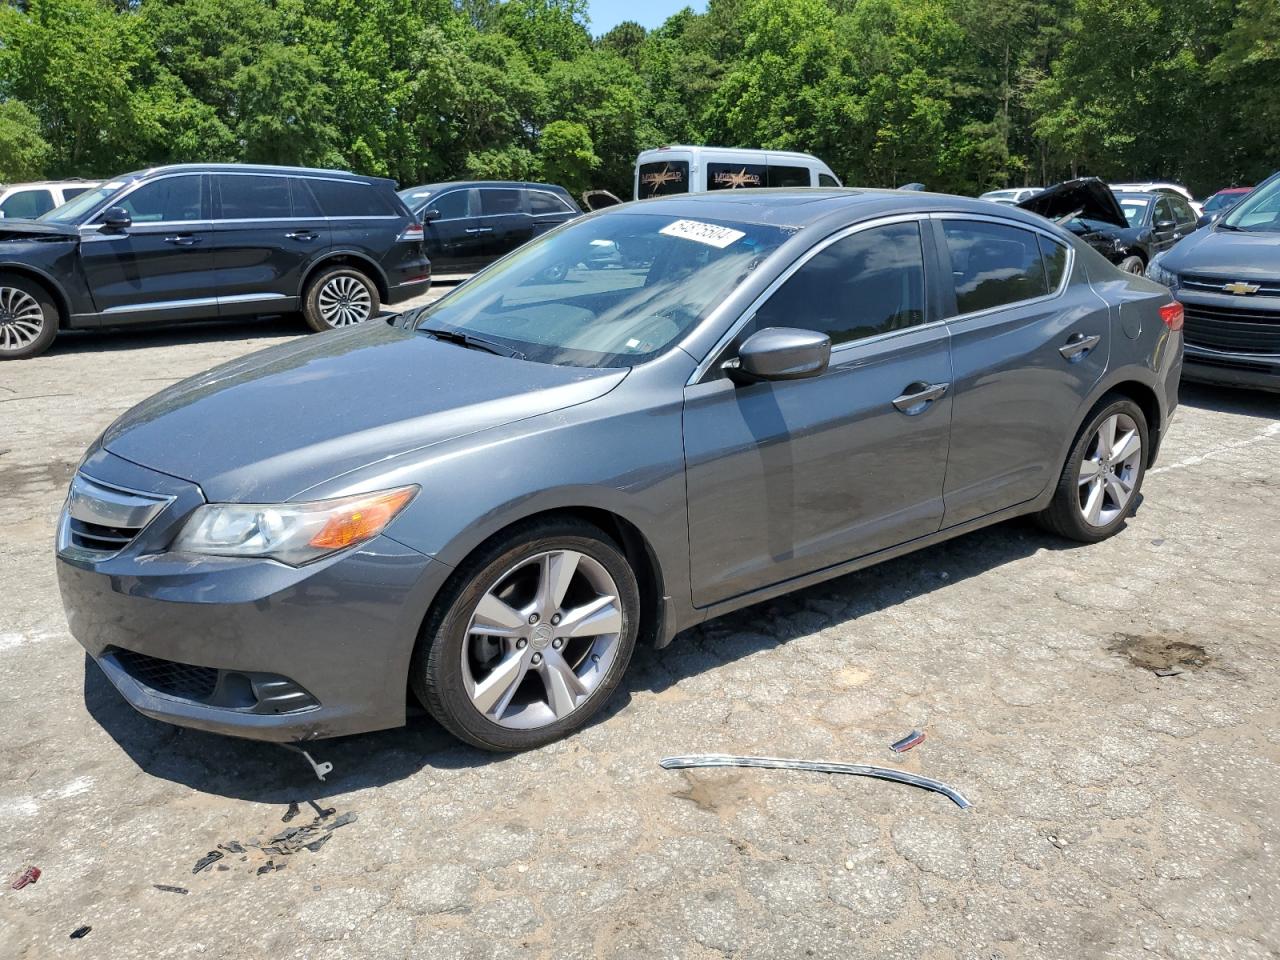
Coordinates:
[1090,472]
[502,692]
[29,317]
[339,296]
[1133,264]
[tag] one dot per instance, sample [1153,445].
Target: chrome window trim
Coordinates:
[1029,228]
[130,189]
[446,193]
[747,314]
[565,208]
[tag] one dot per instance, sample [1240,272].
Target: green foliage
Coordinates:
[963,95]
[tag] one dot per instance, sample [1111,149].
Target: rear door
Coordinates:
[505,219]
[789,477]
[1028,342]
[160,267]
[266,231]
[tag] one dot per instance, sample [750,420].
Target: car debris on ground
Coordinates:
[310,837]
[80,932]
[28,876]
[912,739]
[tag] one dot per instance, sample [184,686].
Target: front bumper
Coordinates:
[251,648]
[1231,369]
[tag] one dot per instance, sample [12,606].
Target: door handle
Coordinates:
[917,397]
[1078,346]
[479,229]
[183,240]
[302,235]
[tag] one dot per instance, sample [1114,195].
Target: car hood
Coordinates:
[271,425]
[1234,254]
[1086,197]
[35,229]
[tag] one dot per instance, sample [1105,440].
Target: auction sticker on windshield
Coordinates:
[709,233]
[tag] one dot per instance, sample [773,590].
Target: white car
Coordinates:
[26,201]
[1158,186]
[686,169]
[1012,196]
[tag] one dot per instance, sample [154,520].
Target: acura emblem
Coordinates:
[1240,288]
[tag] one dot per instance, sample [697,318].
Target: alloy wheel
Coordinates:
[542,639]
[1109,469]
[21,319]
[344,302]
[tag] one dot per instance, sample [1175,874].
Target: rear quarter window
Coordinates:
[351,198]
[544,202]
[788,176]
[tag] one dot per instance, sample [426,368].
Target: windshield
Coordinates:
[1135,209]
[609,291]
[75,210]
[1259,211]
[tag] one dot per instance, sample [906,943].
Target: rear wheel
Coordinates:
[1102,477]
[339,296]
[530,638]
[1133,265]
[28,318]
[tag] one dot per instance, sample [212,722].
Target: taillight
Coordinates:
[1171,314]
[412,233]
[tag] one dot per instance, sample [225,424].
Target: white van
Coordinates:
[683,169]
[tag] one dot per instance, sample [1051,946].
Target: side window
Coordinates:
[788,176]
[304,203]
[868,283]
[253,197]
[543,203]
[1055,261]
[349,198]
[1182,210]
[827,180]
[453,205]
[27,204]
[1164,211]
[993,265]
[660,179]
[495,201]
[733,176]
[171,200]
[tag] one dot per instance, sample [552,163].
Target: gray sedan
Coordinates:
[490,501]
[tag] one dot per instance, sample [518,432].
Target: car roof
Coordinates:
[73,182]
[251,168]
[673,147]
[801,207]
[503,184]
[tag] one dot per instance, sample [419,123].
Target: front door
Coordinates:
[455,238]
[160,267]
[1028,342]
[789,477]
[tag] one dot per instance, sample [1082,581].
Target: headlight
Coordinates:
[1159,274]
[293,533]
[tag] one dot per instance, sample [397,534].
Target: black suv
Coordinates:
[192,242]
[469,224]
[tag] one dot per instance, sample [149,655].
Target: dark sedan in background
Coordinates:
[1227,277]
[1129,229]
[469,224]
[552,463]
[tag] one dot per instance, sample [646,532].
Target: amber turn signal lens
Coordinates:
[362,519]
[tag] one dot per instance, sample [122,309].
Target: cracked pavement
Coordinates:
[1116,814]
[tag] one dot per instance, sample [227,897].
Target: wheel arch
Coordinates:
[1131,384]
[61,300]
[352,258]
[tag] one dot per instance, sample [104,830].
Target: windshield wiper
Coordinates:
[471,341]
[1228,226]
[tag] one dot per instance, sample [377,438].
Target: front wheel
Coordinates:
[1133,265]
[28,318]
[339,296]
[530,637]
[1101,480]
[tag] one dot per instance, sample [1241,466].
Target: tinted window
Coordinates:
[993,264]
[1055,261]
[788,176]
[349,198]
[868,283]
[453,205]
[1182,211]
[541,202]
[494,202]
[27,204]
[1164,211]
[304,204]
[826,180]
[254,198]
[734,176]
[69,192]
[659,179]
[169,199]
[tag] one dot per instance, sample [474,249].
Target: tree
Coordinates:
[567,156]
[23,152]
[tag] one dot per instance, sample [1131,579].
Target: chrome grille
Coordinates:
[1207,284]
[101,519]
[1232,330]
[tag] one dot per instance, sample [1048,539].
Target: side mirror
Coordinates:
[117,218]
[1165,224]
[429,215]
[780,353]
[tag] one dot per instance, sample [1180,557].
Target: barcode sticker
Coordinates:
[711,234]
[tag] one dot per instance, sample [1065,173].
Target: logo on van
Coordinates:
[731,181]
[660,178]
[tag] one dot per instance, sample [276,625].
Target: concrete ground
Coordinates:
[1117,813]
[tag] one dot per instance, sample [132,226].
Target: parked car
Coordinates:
[1129,229]
[469,224]
[26,201]
[1159,186]
[686,169]
[527,478]
[1220,203]
[1227,277]
[1012,196]
[195,241]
